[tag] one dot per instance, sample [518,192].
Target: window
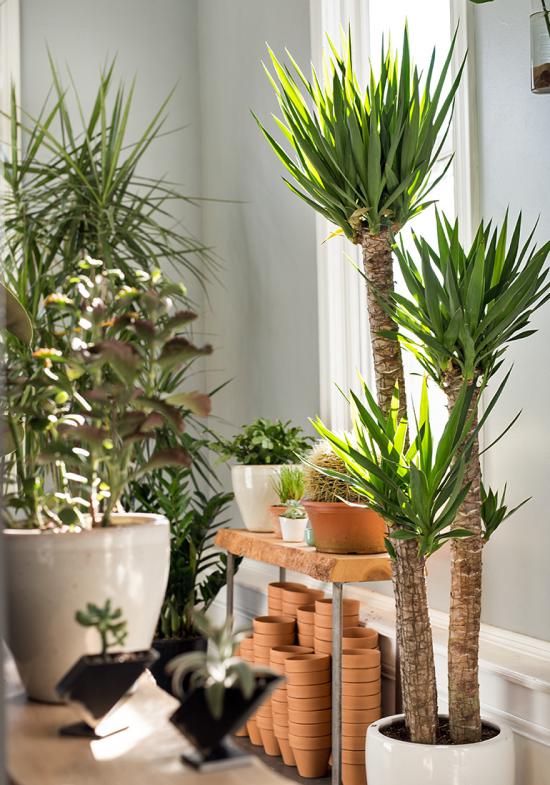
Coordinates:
[9,61]
[343,321]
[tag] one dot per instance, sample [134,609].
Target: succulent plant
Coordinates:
[112,628]
[319,487]
[294,511]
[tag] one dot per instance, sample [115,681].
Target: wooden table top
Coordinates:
[327,567]
[147,753]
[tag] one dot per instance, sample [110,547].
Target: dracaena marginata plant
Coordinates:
[464,307]
[417,489]
[363,158]
[124,343]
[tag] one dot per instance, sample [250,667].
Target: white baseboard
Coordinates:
[514,669]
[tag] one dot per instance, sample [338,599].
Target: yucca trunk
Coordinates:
[413,629]
[465,610]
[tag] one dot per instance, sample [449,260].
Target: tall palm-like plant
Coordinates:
[464,308]
[78,187]
[364,159]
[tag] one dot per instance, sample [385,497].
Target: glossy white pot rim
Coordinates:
[504,732]
[119,522]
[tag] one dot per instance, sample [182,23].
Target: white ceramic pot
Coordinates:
[255,494]
[51,576]
[393,762]
[293,529]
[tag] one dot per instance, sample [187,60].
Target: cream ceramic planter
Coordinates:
[393,762]
[254,494]
[51,576]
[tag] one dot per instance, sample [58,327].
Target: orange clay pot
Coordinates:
[354,742]
[311,764]
[286,751]
[307,663]
[311,717]
[356,702]
[354,773]
[310,742]
[325,622]
[322,647]
[274,625]
[349,607]
[302,596]
[270,743]
[341,528]
[361,716]
[320,729]
[353,756]
[254,732]
[269,641]
[306,614]
[308,678]
[306,640]
[242,732]
[359,638]
[369,658]
[361,688]
[275,590]
[306,629]
[275,511]
[308,690]
[361,674]
[355,728]
[300,705]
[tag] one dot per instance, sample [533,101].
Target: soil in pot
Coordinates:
[398,730]
[341,528]
[167,649]
[541,78]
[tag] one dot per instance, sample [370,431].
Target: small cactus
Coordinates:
[320,487]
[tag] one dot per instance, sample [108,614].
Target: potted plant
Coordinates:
[85,423]
[97,683]
[260,450]
[340,521]
[289,486]
[293,522]
[218,693]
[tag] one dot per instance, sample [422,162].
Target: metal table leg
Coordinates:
[282,574]
[230,584]
[337,596]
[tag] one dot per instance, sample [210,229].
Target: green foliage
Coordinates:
[111,627]
[289,484]
[466,306]
[77,186]
[417,489]
[363,158]
[218,669]
[322,487]
[264,442]
[294,511]
[494,510]
[16,319]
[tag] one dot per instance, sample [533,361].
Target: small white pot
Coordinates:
[254,494]
[293,529]
[50,576]
[394,762]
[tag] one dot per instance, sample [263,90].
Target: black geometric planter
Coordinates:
[167,649]
[96,685]
[206,733]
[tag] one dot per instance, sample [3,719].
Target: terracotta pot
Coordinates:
[270,743]
[269,641]
[275,589]
[304,595]
[322,647]
[309,690]
[274,625]
[311,717]
[361,701]
[361,688]
[254,732]
[324,607]
[275,511]
[306,629]
[242,732]
[310,742]
[342,528]
[355,728]
[308,678]
[264,712]
[311,763]
[323,634]
[325,622]
[354,742]
[361,674]
[286,751]
[320,729]
[354,774]
[354,757]
[309,704]
[368,658]
[306,614]
[281,653]
[306,640]
[280,696]
[274,608]
[307,663]
[280,720]
[360,716]
[359,638]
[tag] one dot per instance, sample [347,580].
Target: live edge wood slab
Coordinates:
[326,567]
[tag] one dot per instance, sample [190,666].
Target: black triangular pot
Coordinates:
[167,649]
[194,720]
[96,683]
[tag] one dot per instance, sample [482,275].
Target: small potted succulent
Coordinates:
[218,693]
[293,522]
[260,450]
[340,521]
[97,683]
[289,486]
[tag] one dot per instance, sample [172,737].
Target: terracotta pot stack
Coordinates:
[294,598]
[309,711]
[246,652]
[359,638]
[279,701]
[275,595]
[270,632]
[323,622]
[305,618]
[361,705]
[240,653]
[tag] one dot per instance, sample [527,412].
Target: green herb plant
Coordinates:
[289,484]
[112,628]
[264,442]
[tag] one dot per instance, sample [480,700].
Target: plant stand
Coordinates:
[325,567]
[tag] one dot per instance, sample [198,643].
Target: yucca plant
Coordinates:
[463,309]
[363,158]
[417,489]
